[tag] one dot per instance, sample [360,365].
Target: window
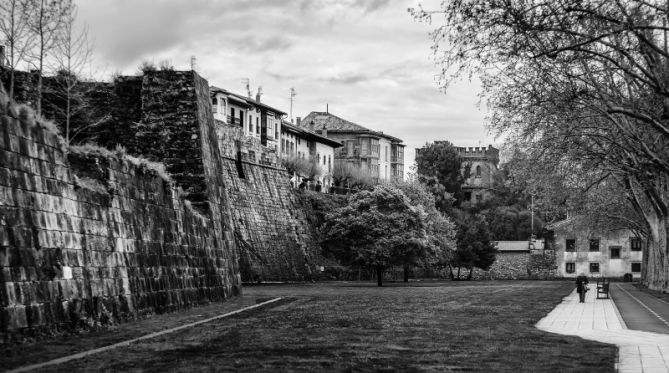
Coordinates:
[478,171]
[615,252]
[232,114]
[594,267]
[214,104]
[570,245]
[594,244]
[319,157]
[257,125]
[636,267]
[635,244]
[570,267]
[329,163]
[479,198]
[241,119]
[386,153]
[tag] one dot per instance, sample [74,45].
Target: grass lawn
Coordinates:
[448,326]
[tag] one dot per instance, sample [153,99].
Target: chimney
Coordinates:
[299,121]
[258,97]
[2,56]
[324,131]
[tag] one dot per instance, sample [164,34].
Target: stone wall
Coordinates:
[275,238]
[166,116]
[89,236]
[519,265]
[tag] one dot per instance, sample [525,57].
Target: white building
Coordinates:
[257,119]
[595,252]
[300,143]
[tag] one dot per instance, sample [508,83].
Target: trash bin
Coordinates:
[627,277]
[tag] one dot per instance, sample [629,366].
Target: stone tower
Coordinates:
[482,164]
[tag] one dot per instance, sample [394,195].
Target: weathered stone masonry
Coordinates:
[93,237]
[96,236]
[232,178]
[272,231]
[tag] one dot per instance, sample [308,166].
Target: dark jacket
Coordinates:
[581,281]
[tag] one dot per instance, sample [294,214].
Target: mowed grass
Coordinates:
[357,327]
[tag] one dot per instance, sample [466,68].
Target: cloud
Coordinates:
[256,44]
[367,59]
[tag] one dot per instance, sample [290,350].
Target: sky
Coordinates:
[368,61]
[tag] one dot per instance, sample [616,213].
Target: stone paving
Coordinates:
[599,320]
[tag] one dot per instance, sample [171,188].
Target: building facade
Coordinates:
[301,143]
[381,155]
[595,252]
[479,165]
[257,119]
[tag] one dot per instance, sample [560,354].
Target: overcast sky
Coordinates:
[367,59]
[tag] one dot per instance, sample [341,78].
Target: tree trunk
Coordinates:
[471,271]
[655,259]
[458,272]
[379,275]
[450,270]
[406,274]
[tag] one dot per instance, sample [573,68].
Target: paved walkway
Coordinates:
[599,320]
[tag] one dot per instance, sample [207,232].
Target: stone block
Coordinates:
[15,318]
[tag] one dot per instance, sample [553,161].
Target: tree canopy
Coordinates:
[377,229]
[583,89]
[475,247]
[439,167]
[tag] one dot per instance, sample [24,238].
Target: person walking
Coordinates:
[581,287]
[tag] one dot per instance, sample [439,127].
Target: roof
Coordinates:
[309,135]
[243,99]
[333,123]
[517,246]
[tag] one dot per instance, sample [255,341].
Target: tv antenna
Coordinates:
[293,93]
[247,85]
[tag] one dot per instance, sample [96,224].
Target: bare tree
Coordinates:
[15,34]
[72,55]
[45,19]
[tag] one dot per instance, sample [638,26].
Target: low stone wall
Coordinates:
[89,236]
[517,266]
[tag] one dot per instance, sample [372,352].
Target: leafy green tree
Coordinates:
[439,166]
[439,227]
[475,248]
[377,229]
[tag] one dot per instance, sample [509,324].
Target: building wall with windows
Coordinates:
[255,118]
[301,143]
[381,155]
[594,252]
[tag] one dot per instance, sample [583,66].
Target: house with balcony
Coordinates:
[380,154]
[254,117]
[301,143]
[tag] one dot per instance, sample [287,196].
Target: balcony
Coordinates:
[232,120]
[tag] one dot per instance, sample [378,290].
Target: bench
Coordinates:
[603,288]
